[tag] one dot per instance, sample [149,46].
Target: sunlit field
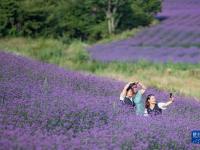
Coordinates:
[64,64]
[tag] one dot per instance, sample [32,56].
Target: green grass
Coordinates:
[180,78]
[121,36]
[126,34]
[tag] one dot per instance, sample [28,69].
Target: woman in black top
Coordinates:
[132,95]
[152,107]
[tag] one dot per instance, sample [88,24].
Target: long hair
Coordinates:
[147,104]
[131,85]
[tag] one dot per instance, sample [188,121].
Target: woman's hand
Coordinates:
[170,101]
[142,86]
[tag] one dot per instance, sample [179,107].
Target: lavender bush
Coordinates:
[46,107]
[124,53]
[176,38]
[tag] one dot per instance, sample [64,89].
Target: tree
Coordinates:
[74,19]
[126,13]
[112,14]
[9,16]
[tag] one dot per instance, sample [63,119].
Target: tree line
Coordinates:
[72,19]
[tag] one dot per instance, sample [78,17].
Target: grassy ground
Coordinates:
[179,78]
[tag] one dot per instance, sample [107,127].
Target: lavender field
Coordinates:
[46,107]
[175,39]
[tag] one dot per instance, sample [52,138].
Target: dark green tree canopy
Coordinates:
[82,19]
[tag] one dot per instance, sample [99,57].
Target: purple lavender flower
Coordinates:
[46,107]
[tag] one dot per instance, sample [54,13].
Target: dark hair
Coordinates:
[131,85]
[147,100]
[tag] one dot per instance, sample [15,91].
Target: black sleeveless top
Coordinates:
[155,111]
[128,101]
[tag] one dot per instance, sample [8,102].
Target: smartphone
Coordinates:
[170,95]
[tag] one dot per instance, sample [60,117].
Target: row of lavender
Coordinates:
[45,107]
[179,32]
[121,52]
[180,27]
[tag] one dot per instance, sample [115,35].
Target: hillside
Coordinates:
[46,107]
[175,39]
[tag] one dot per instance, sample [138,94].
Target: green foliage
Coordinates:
[76,53]
[9,16]
[73,19]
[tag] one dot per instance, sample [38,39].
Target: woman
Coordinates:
[132,96]
[154,108]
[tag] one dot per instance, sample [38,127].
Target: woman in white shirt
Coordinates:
[152,107]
